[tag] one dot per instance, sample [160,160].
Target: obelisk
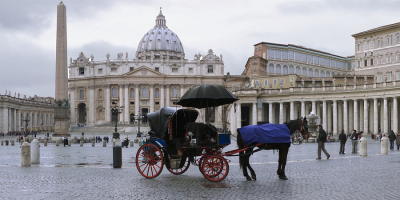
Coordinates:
[61,105]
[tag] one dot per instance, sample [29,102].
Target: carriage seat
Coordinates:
[205,134]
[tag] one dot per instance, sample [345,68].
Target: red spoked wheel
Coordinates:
[149,161]
[201,164]
[215,168]
[180,170]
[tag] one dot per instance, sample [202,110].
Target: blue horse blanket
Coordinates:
[265,133]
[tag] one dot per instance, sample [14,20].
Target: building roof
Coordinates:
[378,29]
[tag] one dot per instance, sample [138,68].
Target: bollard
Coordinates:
[12,142]
[57,143]
[6,142]
[81,143]
[140,142]
[35,152]
[2,142]
[75,140]
[131,143]
[117,154]
[363,146]
[92,143]
[69,143]
[25,155]
[384,146]
[45,143]
[104,143]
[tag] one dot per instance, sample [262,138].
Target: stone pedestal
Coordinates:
[384,146]
[57,143]
[12,142]
[81,143]
[61,126]
[93,143]
[104,143]
[25,155]
[35,151]
[363,146]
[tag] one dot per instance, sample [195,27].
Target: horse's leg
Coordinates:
[283,152]
[253,174]
[244,163]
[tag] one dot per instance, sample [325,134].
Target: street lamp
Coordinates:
[26,119]
[138,119]
[115,111]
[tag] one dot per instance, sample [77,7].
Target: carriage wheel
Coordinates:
[201,164]
[149,161]
[180,170]
[215,168]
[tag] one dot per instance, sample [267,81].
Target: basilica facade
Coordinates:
[157,76]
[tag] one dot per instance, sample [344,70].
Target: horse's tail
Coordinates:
[240,144]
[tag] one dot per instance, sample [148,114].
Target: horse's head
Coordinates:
[303,127]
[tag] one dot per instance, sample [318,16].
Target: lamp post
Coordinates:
[138,119]
[26,119]
[115,111]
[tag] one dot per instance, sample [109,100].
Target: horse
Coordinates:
[283,149]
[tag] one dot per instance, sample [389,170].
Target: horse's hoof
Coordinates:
[283,178]
[248,178]
[254,177]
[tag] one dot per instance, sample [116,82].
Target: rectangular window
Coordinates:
[299,85]
[309,59]
[389,59]
[270,53]
[210,69]
[365,46]
[157,69]
[290,55]
[274,81]
[131,69]
[157,103]
[371,44]
[389,41]
[398,75]
[190,70]
[379,43]
[291,79]
[398,39]
[365,63]
[379,78]
[257,83]
[81,71]
[254,67]
[132,103]
[265,82]
[100,71]
[282,81]
[174,70]
[372,62]
[284,55]
[358,47]
[389,76]
[113,70]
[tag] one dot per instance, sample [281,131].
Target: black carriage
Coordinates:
[174,129]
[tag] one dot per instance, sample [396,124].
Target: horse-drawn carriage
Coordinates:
[175,130]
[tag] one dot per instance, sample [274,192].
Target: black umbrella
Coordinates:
[206,95]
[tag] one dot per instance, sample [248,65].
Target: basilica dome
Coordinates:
[160,42]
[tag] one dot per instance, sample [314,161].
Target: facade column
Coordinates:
[15,120]
[313,107]
[351,116]
[238,115]
[182,89]
[168,99]
[162,96]
[355,108]
[254,113]
[335,118]
[121,101]
[376,125]
[329,116]
[371,116]
[91,104]
[303,109]
[345,117]
[4,120]
[385,116]
[361,116]
[395,116]
[151,98]
[126,106]
[280,112]
[340,117]
[270,113]
[260,114]
[107,111]
[324,116]
[137,101]
[366,129]
[18,120]
[233,119]
[31,120]
[72,105]
[292,110]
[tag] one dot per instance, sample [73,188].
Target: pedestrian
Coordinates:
[321,142]
[65,141]
[342,139]
[354,140]
[398,140]
[392,138]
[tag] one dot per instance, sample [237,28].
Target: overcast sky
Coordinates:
[229,27]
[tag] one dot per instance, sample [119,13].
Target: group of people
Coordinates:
[354,136]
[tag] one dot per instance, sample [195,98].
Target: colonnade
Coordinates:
[12,119]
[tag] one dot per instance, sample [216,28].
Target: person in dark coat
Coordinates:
[354,140]
[321,142]
[392,138]
[342,139]
[65,141]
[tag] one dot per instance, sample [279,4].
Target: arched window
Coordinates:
[291,69]
[81,94]
[271,68]
[132,95]
[144,92]
[328,74]
[304,71]
[100,94]
[316,73]
[114,92]
[175,92]
[278,69]
[157,93]
[310,72]
[322,73]
[285,69]
[298,70]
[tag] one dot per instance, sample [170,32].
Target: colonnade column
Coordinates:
[270,116]
[313,107]
[324,115]
[260,112]
[126,106]
[4,120]
[385,116]
[18,120]
[395,115]
[329,116]
[232,119]
[91,104]
[303,109]
[151,98]
[107,118]
[167,99]
[366,115]
[281,112]
[121,101]
[238,115]
[376,125]
[254,113]
[355,111]
[345,117]
[162,96]
[137,101]
[340,117]
[30,121]
[292,110]
[361,115]
[335,121]
[182,89]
